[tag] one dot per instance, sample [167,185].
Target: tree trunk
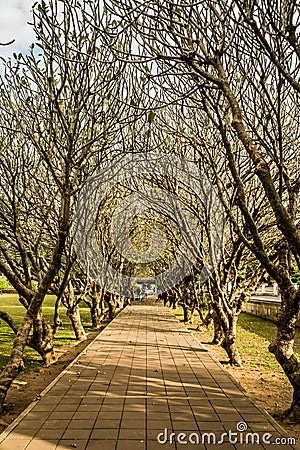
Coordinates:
[282,346]
[74,315]
[229,342]
[120,301]
[41,342]
[56,319]
[218,331]
[188,312]
[103,308]
[199,311]
[228,325]
[111,310]
[112,305]
[207,320]
[42,339]
[73,312]
[96,296]
[293,413]
[15,363]
[185,311]
[95,316]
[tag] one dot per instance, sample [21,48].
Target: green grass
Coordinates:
[254,334]
[64,336]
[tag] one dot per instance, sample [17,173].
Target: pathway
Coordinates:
[145,383]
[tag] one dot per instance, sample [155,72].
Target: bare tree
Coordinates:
[61,101]
[224,52]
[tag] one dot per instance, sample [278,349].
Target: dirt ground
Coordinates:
[270,390]
[30,385]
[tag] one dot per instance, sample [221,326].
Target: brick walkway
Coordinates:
[144,375]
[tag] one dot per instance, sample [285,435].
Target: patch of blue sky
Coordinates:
[14,18]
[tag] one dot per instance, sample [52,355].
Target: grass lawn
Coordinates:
[254,334]
[64,336]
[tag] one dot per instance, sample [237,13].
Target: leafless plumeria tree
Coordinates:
[238,274]
[26,209]
[243,59]
[61,112]
[231,69]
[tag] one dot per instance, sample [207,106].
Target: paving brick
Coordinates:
[140,409]
[99,445]
[63,408]
[78,444]
[133,424]
[85,415]
[129,444]
[82,433]
[47,433]
[18,435]
[61,415]
[56,423]
[154,445]
[108,423]
[38,444]
[27,424]
[143,374]
[107,415]
[134,415]
[127,434]
[81,424]
[105,433]
[158,424]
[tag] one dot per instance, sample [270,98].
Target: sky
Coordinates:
[14,15]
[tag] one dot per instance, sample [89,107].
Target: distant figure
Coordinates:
[275,288]
[127,294]
[138,293]
[143,293]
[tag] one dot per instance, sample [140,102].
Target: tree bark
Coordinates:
[229,342]
[96,296]
[207,320]
[188,312]
[111,310]
[42,339]
[112,305]
[218,331]
[15,363]
[95,316]
[42,342]
[56,319]
[73,312]
[282,346]
[227,323]
[74,315]
[9,320]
